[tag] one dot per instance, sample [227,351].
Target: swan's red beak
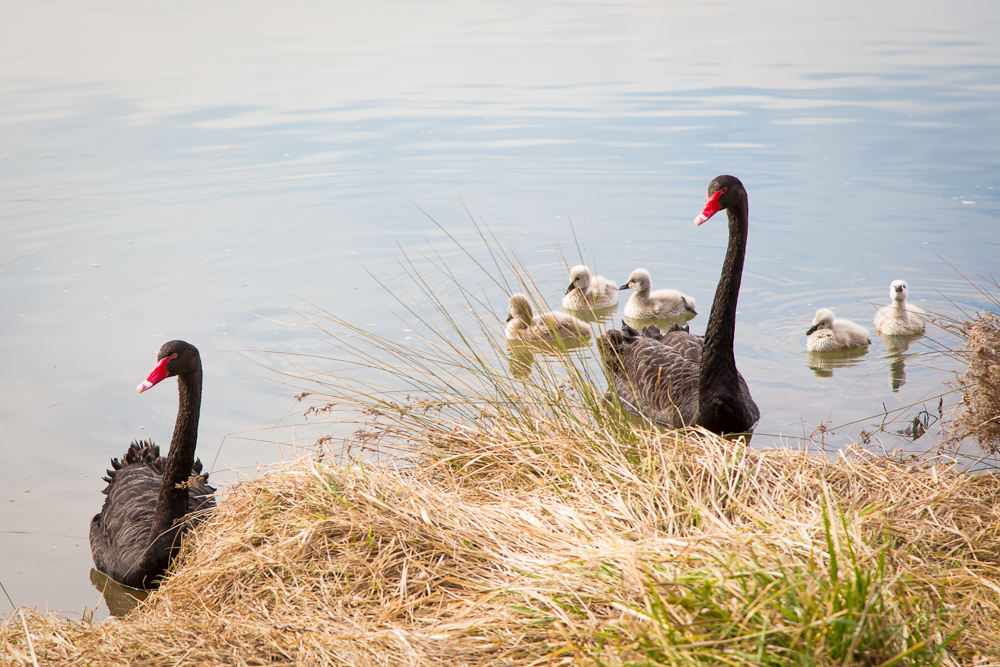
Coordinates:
[159,374]
[711,207]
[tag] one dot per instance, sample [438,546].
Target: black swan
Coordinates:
[138,530]
[678,379]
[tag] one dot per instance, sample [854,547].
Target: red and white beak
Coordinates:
[711,206]
[158,374]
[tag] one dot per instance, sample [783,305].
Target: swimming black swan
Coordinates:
[678,379]
[138,530]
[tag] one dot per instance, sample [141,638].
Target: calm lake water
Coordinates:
[209,171]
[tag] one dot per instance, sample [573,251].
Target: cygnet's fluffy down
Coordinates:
[522,325]
[899,319]
[586,292]
[659,305]
[829,335]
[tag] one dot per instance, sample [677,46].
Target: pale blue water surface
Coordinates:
[205,170]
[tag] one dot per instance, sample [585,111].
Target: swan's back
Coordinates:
[655,374]
[661,304]
[562,325]
[547,327]
[119,535]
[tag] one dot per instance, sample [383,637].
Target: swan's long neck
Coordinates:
[718,376]
[172,502]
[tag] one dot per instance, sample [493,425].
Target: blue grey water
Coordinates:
[210,171]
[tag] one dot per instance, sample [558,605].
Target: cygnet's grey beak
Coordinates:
[899,288]
[572,286]
[510,317]
[812,328]
[625,286]
[687,306]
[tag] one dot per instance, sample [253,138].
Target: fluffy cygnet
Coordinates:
[586,292]
[522,325]
[898,319]
[659,305]
[829,335]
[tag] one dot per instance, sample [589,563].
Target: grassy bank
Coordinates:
[542,547]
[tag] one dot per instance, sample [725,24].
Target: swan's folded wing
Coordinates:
[131,502]
[683,343]
[659,379]
[752,411]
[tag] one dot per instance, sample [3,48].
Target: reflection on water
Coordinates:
[824,363]
[120,599]
[896,353]
[601,316]
[521,354]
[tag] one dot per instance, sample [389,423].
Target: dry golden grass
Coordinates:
[980,383]
[518,548]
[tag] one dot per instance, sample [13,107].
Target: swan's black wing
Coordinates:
[119,535]
[655,373]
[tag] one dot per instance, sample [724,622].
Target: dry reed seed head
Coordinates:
[980,384]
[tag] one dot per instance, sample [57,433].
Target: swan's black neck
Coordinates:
[718,383]
[172,502]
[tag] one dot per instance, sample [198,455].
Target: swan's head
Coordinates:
[579,277]
[638,280]
[898,290]
[520,308]
[823,320]
[175,358]
[723,192]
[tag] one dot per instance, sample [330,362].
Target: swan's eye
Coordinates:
[173,356]
[724,190]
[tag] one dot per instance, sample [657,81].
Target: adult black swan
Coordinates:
[678,379]
[138,530]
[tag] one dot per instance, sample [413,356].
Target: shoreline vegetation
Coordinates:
[523,519]
[544,547]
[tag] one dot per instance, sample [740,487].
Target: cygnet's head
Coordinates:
[638,280]
[823,320]
[519,307]
[897,290]
[579,277]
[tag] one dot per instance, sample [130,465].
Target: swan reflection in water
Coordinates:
[521,354]
[824,363]
[896,353]
[598,315]
[120,599]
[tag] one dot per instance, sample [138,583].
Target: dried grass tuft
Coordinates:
[980,383]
